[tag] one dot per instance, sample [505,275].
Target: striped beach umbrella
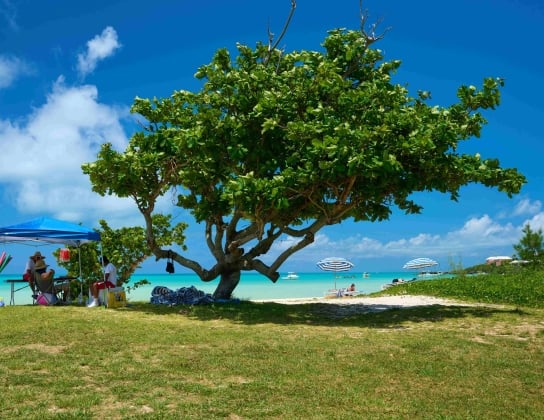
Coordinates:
[335,264]
[419,263]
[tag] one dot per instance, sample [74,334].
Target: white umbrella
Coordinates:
[418,263]
[335,264]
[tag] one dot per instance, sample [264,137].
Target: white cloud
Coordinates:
[423,239]
[100,47]
[536,222]
[527,207]
[42,152]
[11,68]
[40,164]
[482,227]
[480,236]
[476,238]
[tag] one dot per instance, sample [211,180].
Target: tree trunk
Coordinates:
[227,284]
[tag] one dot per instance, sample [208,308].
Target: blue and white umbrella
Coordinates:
[335,264]
[419,263]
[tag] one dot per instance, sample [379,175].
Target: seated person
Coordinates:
[110,281]
[40,268]
[351,288]
[44,280]
[28,275]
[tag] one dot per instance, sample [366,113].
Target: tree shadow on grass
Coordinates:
[322,314]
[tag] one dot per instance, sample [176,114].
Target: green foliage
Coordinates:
[125,247]
[530,246]
[488,269]
[515,285]
[456,265]
[284,143]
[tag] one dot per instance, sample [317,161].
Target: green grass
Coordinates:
[266,360]
[520,287]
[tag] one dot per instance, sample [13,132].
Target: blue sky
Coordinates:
[69,72]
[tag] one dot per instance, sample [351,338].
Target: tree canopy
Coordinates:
[284,143]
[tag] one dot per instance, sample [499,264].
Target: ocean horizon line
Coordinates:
[252,286]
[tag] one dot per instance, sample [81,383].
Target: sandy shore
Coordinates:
[372,304]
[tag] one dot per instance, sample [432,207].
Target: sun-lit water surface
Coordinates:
[252,285]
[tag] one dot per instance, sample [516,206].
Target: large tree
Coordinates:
[284,143]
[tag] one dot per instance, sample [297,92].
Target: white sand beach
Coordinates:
[371,304]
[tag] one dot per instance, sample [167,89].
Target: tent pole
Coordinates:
[80,271]
[102,267]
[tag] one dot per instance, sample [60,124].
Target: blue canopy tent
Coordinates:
[44,229]
[50,231]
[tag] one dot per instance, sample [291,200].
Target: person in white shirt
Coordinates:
[110,281]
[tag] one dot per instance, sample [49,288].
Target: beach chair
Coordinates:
[46,290]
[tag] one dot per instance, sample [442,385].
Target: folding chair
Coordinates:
[47,294]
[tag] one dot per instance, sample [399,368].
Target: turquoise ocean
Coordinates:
[253,286]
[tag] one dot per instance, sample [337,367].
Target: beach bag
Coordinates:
[170,264]
[46,299]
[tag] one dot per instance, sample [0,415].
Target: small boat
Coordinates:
[291,275]
[428,274]
[394,282]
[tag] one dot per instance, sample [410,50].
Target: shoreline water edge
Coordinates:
[253,286]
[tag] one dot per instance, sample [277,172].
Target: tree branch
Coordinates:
[371,36]
[262,268]
[263,246]
[272,47]
[214,245]
[307,240]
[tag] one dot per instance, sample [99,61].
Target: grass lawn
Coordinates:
[266,360]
